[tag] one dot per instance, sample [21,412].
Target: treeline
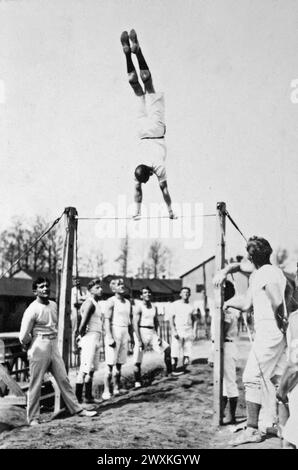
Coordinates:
[15,241]
[46,255]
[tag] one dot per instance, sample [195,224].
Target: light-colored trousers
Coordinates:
[265,364]
[290,431]
[44,356]
[230,388]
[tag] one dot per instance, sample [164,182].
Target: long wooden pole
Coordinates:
[64,321]
[218,319]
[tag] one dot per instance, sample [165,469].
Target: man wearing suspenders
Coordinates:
[145,334]
[90,333]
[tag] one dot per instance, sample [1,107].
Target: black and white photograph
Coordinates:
[148,227]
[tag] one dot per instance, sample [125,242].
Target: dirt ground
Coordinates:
[167,413]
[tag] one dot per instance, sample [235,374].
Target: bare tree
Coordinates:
[18,238]
[13,243]
[53,249]
[92,264]
[144,270]
[158,257]
[281,257]
[123,257]
[37,254]
[99,264]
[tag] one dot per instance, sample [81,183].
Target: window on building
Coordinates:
[200,288]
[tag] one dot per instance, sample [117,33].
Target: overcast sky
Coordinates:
[67,122]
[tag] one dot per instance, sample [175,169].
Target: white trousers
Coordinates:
[181,346]
[90,344]
[266,360]
[290,431]
[44,356]
[149,338]
[118,354]
[230,388]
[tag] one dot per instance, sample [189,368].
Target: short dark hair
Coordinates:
[185,287]
[94,282]
[40,280]
[229,290]
[147,288]
[259,250]
[114,282]
[142,173]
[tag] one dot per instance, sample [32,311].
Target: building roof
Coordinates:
[198,266]
[10,287]
[21,286]
[158,286]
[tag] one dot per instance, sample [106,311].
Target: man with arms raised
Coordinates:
[266,361]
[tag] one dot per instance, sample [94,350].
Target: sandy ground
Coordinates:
[167,413]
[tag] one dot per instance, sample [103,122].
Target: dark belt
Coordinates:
[229,341]
[150,327]
[45,336]
[142,138]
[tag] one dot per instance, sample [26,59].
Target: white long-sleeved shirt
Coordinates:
[38,319]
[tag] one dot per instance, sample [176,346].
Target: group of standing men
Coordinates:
[123,322]
[119,321]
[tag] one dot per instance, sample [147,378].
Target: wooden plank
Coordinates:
[218,320]
[10,382]
[9,400]
[64,322]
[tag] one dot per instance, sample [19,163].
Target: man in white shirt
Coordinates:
[182,320]
[90,335]
[287,393]
[152,149]
[118,329]
[145,334]
[267,357]
[38,335]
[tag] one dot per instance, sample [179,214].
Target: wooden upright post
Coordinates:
[64,321]
[205,288]
[218,318]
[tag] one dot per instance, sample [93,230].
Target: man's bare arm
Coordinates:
[242,303]
[136,322]
[156,322]
[167,198]
[244,267]
[88,311]
[173,324]
[108,323]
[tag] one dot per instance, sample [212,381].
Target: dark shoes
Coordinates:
[125,42]
[132,46]
[135,46]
